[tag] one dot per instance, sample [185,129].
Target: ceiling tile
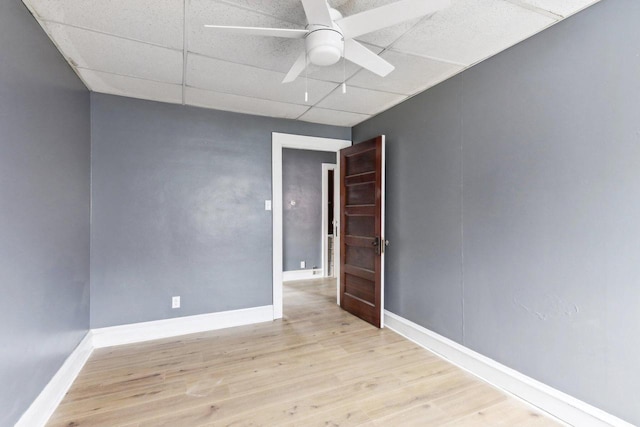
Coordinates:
[383,37]
[88,49]
[333,117]
[358,100]
[236,79]
[413,74]
[273,53]
[335,73]
[242,104]
[131,87]
[563,8]
[472,30]
[287,10]
[152,21]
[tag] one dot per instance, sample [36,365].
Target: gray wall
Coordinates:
[44,210]
[301,223]
[178,209]
[513,210]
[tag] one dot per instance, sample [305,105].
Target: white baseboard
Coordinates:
[558,404]
[166,328]
[50,397]
[288,276]
[46,403]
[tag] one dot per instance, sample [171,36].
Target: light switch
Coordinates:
[267,205]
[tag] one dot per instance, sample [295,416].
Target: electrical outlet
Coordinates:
[175,302]
[303,264]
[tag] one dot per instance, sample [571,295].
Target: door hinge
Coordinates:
[383,247]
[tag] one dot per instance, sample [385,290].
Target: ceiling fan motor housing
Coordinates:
[324,46]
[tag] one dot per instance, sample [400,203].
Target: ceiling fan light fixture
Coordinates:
[329,37]
[324,46]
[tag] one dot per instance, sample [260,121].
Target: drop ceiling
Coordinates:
[160,50]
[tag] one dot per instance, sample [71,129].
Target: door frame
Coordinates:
[279,141]
[383,231]
[326,167]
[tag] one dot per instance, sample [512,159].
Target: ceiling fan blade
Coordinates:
[317,12]
[358,54]
[259,31]
[296,68]
[385,16]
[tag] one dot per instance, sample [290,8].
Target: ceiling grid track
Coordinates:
[535,9]
[258,11]
[185,51]
[104,33]
[129,76]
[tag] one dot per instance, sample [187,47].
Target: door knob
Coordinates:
[376,243]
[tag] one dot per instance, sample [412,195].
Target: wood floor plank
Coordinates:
[315,405]
[340,416]
[317,366]
[503,414]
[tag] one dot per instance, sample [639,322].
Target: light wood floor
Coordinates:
[319,366]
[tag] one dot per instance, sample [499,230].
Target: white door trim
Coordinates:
[326,167]
[278,142]
[383,236]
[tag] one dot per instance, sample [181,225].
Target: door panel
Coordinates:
[361,194]
[360,162]
[361,230]
[360,257]
[359,288]
[360,225]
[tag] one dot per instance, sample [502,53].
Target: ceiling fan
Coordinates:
[329,36]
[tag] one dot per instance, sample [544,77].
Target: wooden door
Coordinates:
[362,230]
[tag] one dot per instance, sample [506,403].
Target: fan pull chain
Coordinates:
[344,67]
[306,83]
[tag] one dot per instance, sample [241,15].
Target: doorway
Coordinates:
[304,210]
[330,211]
[281,141]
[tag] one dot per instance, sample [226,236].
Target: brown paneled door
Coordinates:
[362,230]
